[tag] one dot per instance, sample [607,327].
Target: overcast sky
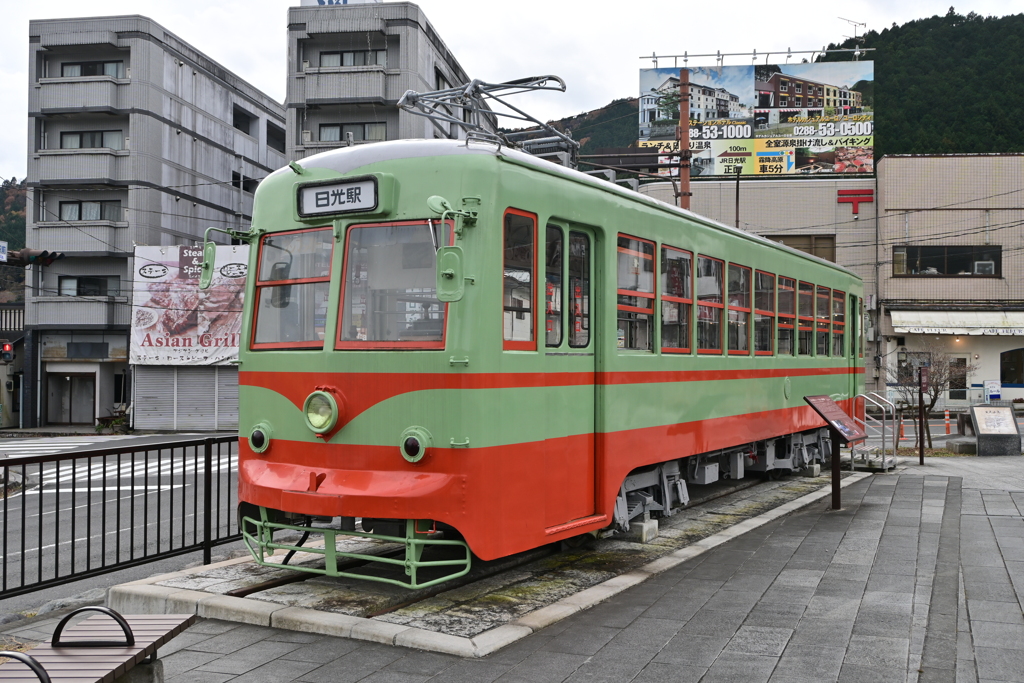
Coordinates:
[594,45]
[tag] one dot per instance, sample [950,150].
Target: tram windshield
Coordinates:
[389,296]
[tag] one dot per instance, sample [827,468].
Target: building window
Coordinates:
[787,316]
[799,87]
[710,302]
[784,86]
[242,120]
[92,139]
[92,285]
[764,313]
[518,278]
[822,246]
[79,69]
[676,299]
[948,261]
[783,102]
[91,211]
[805,338]
[1011,368]
[246,183]
[355,58]
[636,273]
[823,316]
[739,309]
[275,137]
[361,132]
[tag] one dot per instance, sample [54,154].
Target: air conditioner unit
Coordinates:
[305,64]
[984,267]
[307,137]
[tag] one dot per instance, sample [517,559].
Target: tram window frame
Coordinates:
[715,309]
[805,342]
[632,314]
[261,284]
[683,304]
[860,327]
[764,315]
[786,284]
[579,331]
[823,323]
[557,269]
[838,323]
[741,321]
[398,344]
[520,344]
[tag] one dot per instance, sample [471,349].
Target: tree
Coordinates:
[943,370]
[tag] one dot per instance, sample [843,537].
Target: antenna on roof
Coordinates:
[465,106]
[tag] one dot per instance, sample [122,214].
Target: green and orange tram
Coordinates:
[460,347]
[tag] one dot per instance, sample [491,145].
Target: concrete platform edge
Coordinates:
[142,597]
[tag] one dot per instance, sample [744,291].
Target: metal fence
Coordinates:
[74,515]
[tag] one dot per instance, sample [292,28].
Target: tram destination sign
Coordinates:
[326,199]
[837,419]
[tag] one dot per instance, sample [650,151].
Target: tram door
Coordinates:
[570,369]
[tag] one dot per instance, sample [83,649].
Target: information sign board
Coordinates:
[997,430]
[925,370]
[837,419]
[3,252]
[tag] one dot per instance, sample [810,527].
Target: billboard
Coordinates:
[769,119]
[176,323]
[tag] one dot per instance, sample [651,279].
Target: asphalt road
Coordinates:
[81,514]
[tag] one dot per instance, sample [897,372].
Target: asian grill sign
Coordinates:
[766,120]
[176,323]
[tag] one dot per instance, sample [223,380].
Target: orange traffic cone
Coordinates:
[947,422]
[902,437]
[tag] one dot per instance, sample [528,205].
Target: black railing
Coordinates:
[70,516]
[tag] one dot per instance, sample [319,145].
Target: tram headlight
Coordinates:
[414,443]
[259,437]
[321,411]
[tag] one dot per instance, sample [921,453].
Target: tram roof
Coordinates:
[345,160]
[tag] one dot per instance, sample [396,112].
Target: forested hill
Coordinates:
[943,85]
[12,231]
[948,84]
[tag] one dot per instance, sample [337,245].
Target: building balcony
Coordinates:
[328,84]
[81,164]
[77,94]
[67,311]
[82,236]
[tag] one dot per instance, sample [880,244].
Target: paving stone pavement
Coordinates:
[918,578]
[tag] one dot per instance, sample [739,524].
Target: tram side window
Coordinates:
[553,290]
[676,299]
[635,266]
[787,316]
[838,322]
[579,289]
[292,289]
[520,243]
[710,302]
[739,309]
[823,319]
[805,336]
[389,297]
[860,328]
[764,313]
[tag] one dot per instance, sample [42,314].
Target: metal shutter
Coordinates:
[154,397]
[227,397]
[197,398]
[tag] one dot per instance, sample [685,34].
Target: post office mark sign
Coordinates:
[324,199]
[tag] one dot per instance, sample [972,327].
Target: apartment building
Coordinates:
[135,138]
[816,99]
[951,255]
[349,64]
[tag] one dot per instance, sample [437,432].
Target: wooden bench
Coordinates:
[100,649]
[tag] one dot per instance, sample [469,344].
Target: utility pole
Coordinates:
[739,170]
[683,134]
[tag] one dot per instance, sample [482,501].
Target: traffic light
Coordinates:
[7,352]
[33,257]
